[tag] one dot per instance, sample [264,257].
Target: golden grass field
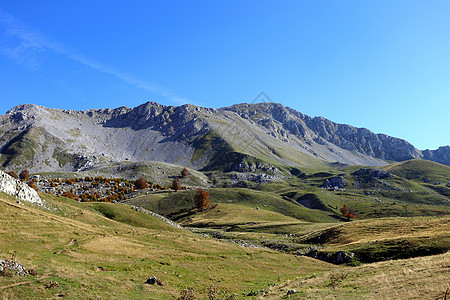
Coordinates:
[415,278]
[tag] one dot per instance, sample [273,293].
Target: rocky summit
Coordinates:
[44,139]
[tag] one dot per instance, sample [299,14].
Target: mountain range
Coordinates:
[45,139]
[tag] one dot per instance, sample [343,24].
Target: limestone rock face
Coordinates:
[336,182]
[19,189]
[441,155]
[43,139]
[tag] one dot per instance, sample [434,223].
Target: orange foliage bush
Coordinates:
[201,199]
[141,184]
[348,212]
[13,174]
[184,173]
[24,175]
[176,184]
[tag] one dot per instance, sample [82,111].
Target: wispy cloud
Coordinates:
[26,46]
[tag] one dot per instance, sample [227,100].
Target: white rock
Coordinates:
[19,189]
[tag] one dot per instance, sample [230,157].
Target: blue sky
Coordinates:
[383,65]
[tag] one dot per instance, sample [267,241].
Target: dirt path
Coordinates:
[23,282]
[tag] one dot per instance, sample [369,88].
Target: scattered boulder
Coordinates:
[337,258]
[290,292]
[154,280]
[336,182]
[10,267]
[341,257]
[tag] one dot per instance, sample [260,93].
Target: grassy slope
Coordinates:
[224,215]
[90,255]
[417,278]
[176,202]
[418,169]
[386,238]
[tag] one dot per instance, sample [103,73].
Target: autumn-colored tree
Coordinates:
[68,195]
[24,175]
[184,173]
[176,184]
[348,212]
[141,184]
[83,197]
[13,174]
[32,185]
[201,199]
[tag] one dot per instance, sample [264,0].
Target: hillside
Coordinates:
[79,253]
[422,171]
[43,139]
[84,250]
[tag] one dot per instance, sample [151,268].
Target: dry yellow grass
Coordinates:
[378,229]
[232,214]
[415,278]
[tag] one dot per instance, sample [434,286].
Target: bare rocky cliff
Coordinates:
[19,189]
[43,139]
[323,131]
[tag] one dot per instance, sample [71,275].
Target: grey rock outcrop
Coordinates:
[371,174]
[337,258]
[19,189]
[336,182]
[12,267]
[253,167]
[440,155]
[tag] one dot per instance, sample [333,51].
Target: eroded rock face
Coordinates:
[337,182]
[337,258]
[372,174]
[441,155]
[253,167]
[19,189]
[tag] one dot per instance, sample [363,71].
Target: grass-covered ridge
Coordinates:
[421,170]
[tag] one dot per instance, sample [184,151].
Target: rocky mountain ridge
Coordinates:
[45,139]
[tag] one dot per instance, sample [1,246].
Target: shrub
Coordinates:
[24,175]
[176,184]
[184,173]
[32,185]
[348,212]
[141,184]
[336,279]
[212,292]
[187,294]
[201,199]
[12,174]
[68,195]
